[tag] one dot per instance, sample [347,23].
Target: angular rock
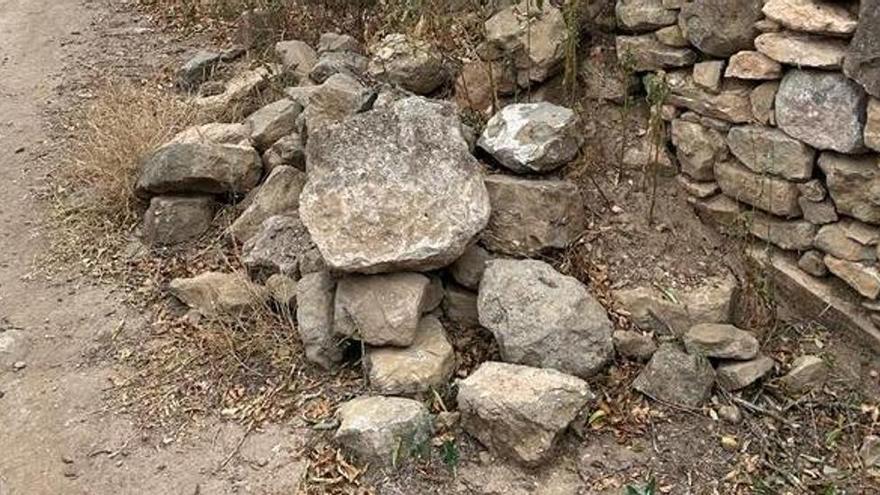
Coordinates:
[721,27]
[675,377]
[791,235]
[710,122]
[738,375]
[769,150]
[771,194]
[176,219]
[381,310]
[214,293]
[543,318]
[332,63]
[870,451]
[698,189]
[721,341]
[818,212]
[384,431]
[823,109]
[811,16]
[297,58]
[283,290]
[644,15]
[806,373]
[279,195]
[864,278]
[633,345]
[237,91]
[197,69]
[287,151]
[730,103]
[672,36]
[424,366]
[534,38]
[481,83]
[335,42]
[813,263]
[531,216]
[698,149]
[301,94]
[650,54]
[214,133]
[460,306]
[413,65]
[642,153]
[200,168]
[276,248]
[272,122]
[720,211]
[753,65]
[763,98]
[339,97]
[872,125]
[532,137]
[468,269]
[813,190]
[708,74]
[504,406]
[861,59]
[314,319]
[854,184]
[802,50]
[372,205]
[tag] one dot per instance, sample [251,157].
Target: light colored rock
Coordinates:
[272,122]
[279,195]
[864,278]
[282,289]
[771,194]
[335,42]
[287,151]
[854,184]
[721,211]
[753,65]
[214,133]
[872,125]
[818,212]
[468,269]
[792,235]
[730,414]
[768,26]
[813,190]
[314,319]
[237,90]
[672,36]
[806,373]
[214,293]
[708,74]
[634,345]
[176,219]
[414,65]
[384,431]
[505,407]
[424,366]
[737,375]
[642,152]
[730,103]
[697,189]
[530,216]
[301,94]
[698,149]
[297,58]
[460,306]
[338,98]
[763,98]
[813,263]
[823,109]
[330,64]
[651,309]
[723,341]
[381,310]
[711,123]
[650,54]
[534,38]
[802,50]
[812,16]
[861,59]
[675,377]
[721,27]
[769,150]
[200,168]
[870,451]
[276,248]
[644,15]
[370,203]
[532,137]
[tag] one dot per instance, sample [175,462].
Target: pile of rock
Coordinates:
[775,120]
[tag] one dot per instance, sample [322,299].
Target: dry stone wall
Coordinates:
[774,105]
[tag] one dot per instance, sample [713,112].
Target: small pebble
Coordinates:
[19,365]
[729,443]
[66,459]
[731,414]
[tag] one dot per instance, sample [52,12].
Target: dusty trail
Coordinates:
[56,435]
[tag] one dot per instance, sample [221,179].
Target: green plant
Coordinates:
[451,454]
[649,488]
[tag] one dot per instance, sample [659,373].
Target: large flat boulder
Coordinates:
[371,203]
[200,168]
[729,103]
[543,318]
[812,16]
[219,294]
[520,412]
[802,50]
[648,53]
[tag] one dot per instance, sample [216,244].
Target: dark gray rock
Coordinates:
[200,168]
[721,27]
[175,219]
[861,63]
[675,377]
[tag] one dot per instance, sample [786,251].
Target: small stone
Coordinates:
[276,248]
[872,125]
[238,91]
[644,15]
[532,137]
[214,293]
[753,66]
[737,375]
[468,269]
[771,194]
[197,69]
[279,195]
[287,151]
[812,16]
[763,98]
[813,190]
[708,74]
[870,451]
[729,443]
[283,290]
[791,235]
[802,50]
[698,149]
[335,42]
[314,318]
[272,122]
[19,365]
[381,310]
[460,306]
[813,263]
[505,407]
[730,103]
[769,150]
[634,345]
[819,213]
[865,279]
[697,189]
[410,64]
[384,431]
[721,27]
[346,63]
[675,377]
[426,365]
[672,36]
[176,219]
[849,240]
[649,54]
[720,211]
[806,373]
[731,414]
[721,341]
[854,184]
[297,58]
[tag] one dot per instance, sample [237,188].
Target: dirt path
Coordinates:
[56,435]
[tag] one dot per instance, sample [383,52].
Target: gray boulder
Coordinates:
[314,319]
[413,65]
[841,240]
[675,377]
[812,16]
[279,195]
[775,195]
[276,248]
[468,269]
[802,50]
[729,103]
[769,150]
[698,149]
[792,235]
[721,341]
[863,277]
[721,27]
[861,59]
[200,168]
[634,345]
[335,42]
[372,205]
[535,42]
[543,318]
[531,216]
[737,375]
[176,219]
[339,62]
[823,109]
[854,184]
[338,98]
[272,122]
[289,150]
[297,58]
[520,412]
